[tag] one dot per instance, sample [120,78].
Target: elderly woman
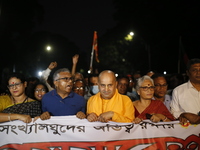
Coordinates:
[17,105]
[145,107]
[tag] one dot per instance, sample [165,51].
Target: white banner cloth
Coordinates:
[71,133]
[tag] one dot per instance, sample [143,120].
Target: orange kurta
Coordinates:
[121,105]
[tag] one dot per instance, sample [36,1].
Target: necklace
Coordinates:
[22,102]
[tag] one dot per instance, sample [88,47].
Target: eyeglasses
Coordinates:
[17,85]
[65,79]
[40,90]
[195,70]
[145,88]
[161,85]
[78,88]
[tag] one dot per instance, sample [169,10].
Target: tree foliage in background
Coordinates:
[157,26]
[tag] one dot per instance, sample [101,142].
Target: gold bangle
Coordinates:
[9,119]
[165,119]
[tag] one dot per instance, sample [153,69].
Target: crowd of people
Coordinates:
[103,96]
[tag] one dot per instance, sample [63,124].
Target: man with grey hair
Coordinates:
[62,101]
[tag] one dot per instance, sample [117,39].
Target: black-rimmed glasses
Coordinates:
[161,85]
[40,90]
[65,79]
[11,86]
[145,88]
[78,88]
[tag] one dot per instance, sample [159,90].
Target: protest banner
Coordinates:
[69,132]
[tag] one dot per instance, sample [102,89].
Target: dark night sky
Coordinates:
[77,19]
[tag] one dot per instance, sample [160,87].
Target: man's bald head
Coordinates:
[107,84]
[107,73]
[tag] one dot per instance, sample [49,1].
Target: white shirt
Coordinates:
[44,77]
[45,74]
[167,101]
[185,98]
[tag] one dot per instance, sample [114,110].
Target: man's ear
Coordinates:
[187,72]
[55,83]
[98,85]
[138,92]
[25,84]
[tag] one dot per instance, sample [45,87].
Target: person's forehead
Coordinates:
[146,82]
[14,79]
[78,75]
[195,65]
[65,74]
[78,83]
[123,80]
[106,80]
[40,86]
[93,79]
[159,79]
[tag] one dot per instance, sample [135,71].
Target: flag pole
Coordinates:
[179,55]
[94,48]
[92,54]
[91,59]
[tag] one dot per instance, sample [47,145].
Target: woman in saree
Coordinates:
[17,105]
[145,107]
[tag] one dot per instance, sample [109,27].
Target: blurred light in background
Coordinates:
[48,48]
[39,73]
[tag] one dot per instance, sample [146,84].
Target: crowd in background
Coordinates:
[131,85]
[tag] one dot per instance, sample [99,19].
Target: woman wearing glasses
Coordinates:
[17,105]
[79,87]
[145,107]
[39,90]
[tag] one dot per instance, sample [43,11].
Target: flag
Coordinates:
[183,57]
[95,46]
[182,52]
